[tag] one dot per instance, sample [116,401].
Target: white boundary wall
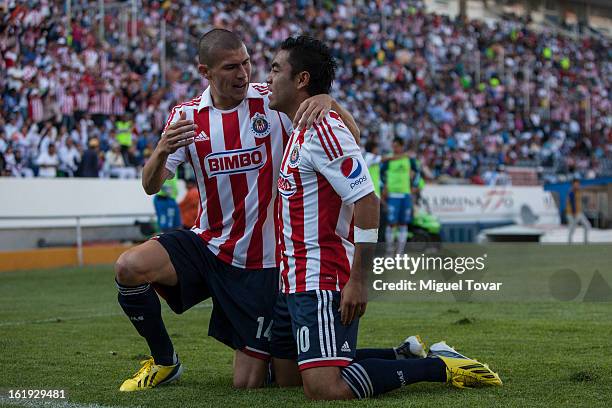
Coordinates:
[72,197]
[87,197]
[489,204]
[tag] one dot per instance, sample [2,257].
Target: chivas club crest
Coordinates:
[294,157]
[260,125]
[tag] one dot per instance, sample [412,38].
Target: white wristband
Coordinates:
[366,235]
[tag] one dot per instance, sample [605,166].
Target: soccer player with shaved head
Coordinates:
[234,141]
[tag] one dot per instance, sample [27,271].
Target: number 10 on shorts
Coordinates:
[303,339]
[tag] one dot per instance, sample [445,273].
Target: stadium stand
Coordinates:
[472,97]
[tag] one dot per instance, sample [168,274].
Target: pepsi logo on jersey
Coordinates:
[235,161]
[351,168]
[358,181]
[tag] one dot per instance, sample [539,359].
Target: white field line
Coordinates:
[84,317]
[36,403]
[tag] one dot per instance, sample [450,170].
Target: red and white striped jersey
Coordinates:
[67,103]
[36,109]
[106,103]
[322,175]
[118,105]
[95,103]
[236,159]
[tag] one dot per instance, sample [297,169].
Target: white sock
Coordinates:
[403,236]
[389,234]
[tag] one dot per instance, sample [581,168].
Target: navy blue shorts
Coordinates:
[399,209]
[243,299]
[307,328]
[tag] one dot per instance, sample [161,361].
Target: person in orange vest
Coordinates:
[189,205]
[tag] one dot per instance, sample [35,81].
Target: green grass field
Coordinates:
[63,329]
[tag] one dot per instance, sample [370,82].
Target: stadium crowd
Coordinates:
[468,97]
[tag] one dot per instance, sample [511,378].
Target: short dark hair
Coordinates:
[370,145]
[311,55]
[214,41]
[398,140]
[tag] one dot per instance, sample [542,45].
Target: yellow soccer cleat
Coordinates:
[151,375]
[464,372]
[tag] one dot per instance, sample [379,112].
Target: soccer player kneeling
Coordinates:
[323,182]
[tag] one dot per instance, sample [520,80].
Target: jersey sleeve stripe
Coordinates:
[262,89]
[330,145]
[333,136]
[192,102]
[170,118]
[323,143]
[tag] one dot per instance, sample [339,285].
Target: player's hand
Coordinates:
[177,135]
[353,301]
[312,110]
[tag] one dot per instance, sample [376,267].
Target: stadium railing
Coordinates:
[79,225]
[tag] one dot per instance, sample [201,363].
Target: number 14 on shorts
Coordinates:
[268,333]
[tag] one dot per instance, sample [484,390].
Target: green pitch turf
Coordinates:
[63,329]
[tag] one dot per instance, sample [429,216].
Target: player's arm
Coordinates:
[315,108]
[178,134]
[355,293]
[387,158]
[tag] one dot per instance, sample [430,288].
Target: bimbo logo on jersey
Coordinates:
[285,187]
[351,168]
[235,161]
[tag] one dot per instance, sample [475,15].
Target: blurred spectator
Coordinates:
[70,158]
[48,162]
[16,165]
[166,208]
[123,134]
[114,164]
[3,169]
[90,162]
[574,213]
[190,205]
[4,143]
